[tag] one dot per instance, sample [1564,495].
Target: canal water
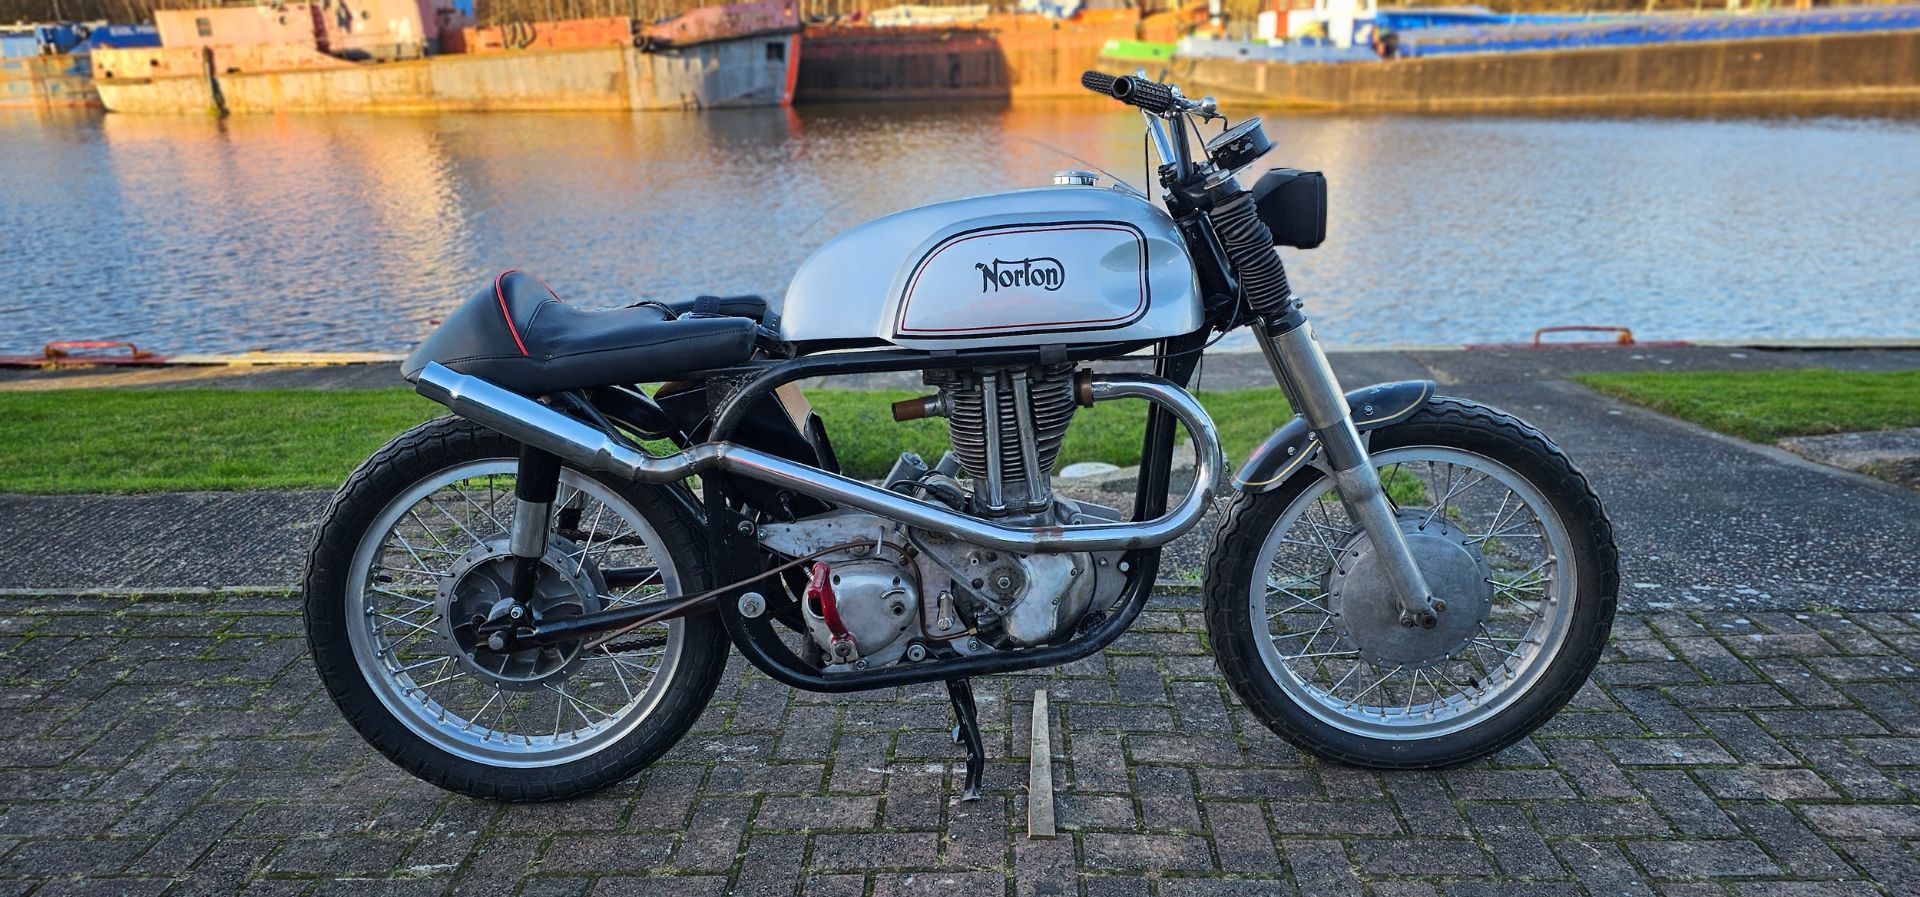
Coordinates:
[356,232]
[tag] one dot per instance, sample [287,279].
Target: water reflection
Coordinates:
[353,232]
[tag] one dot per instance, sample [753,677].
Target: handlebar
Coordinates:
[1150,96]
[1244,238]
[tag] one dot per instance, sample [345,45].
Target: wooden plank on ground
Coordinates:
[1040,772]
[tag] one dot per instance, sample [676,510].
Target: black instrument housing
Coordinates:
[1293,204]
[1239,146]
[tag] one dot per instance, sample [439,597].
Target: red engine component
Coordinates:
[820,592]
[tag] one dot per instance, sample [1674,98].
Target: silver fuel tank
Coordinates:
[1063,264]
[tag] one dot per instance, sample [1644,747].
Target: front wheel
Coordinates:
[1507,532]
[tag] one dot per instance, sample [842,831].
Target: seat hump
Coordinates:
[519,334]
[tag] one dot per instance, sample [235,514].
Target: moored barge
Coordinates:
[714,57]
[977,57]
[48,66]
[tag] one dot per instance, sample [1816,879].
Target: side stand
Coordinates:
[967,726]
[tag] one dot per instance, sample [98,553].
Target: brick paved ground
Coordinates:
[181,746]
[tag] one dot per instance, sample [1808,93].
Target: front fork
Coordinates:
[1301,367]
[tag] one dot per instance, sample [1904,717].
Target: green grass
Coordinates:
[868,440]
[107,440]
[111,440]
[1764,406]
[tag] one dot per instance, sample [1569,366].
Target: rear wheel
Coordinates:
[412,553]
[1507,532]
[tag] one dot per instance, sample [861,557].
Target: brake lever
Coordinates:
[1206,108]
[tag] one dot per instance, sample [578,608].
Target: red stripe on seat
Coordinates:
[502,296]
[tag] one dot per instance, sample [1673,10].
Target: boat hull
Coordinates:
[41,82]
[999,57]
[756,70]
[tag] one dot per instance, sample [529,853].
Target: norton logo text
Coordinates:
[1046,273]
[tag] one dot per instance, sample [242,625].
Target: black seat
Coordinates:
[518,334]
[734,306]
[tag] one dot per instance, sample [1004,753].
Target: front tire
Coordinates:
[1292,606]
[412,547]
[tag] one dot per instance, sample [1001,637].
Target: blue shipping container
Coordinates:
[125,36]
[1653,29]
[14,44]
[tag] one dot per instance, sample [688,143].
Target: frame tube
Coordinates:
[591,448]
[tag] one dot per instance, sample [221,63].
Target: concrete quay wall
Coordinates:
[1876,66]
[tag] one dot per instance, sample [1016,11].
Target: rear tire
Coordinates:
[361,655]
[1305,668]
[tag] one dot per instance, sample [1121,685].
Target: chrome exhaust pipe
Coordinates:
[589,448]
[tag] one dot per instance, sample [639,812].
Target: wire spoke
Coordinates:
[1321,529]
[1452,492]
[482,711]
[593,530]
[1353,653]
[1502,519]
[617,674]
[477,541]
[412,570]
[402,596]
[408,639]
[418,627]
[1335,688]
[577,706]
[410,549]
[1298,602]
[417,665]
[1355,700]
[478,507]
[456,674]
[648,579]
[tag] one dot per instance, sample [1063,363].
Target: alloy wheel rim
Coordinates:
[1312,654]
[402,642]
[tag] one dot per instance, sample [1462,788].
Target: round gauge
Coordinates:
[1238,146]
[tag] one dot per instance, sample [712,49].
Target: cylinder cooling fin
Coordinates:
[990,427]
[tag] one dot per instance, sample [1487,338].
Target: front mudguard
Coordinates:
[1293,445]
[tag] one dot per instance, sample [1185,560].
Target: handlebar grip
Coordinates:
[1134,91]
[1151,96]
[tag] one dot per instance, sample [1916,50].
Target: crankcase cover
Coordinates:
[1065,264]
[878,604]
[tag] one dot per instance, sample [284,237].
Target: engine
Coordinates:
[881,592]
[1006,426]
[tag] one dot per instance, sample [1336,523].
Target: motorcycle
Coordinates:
[533,597]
